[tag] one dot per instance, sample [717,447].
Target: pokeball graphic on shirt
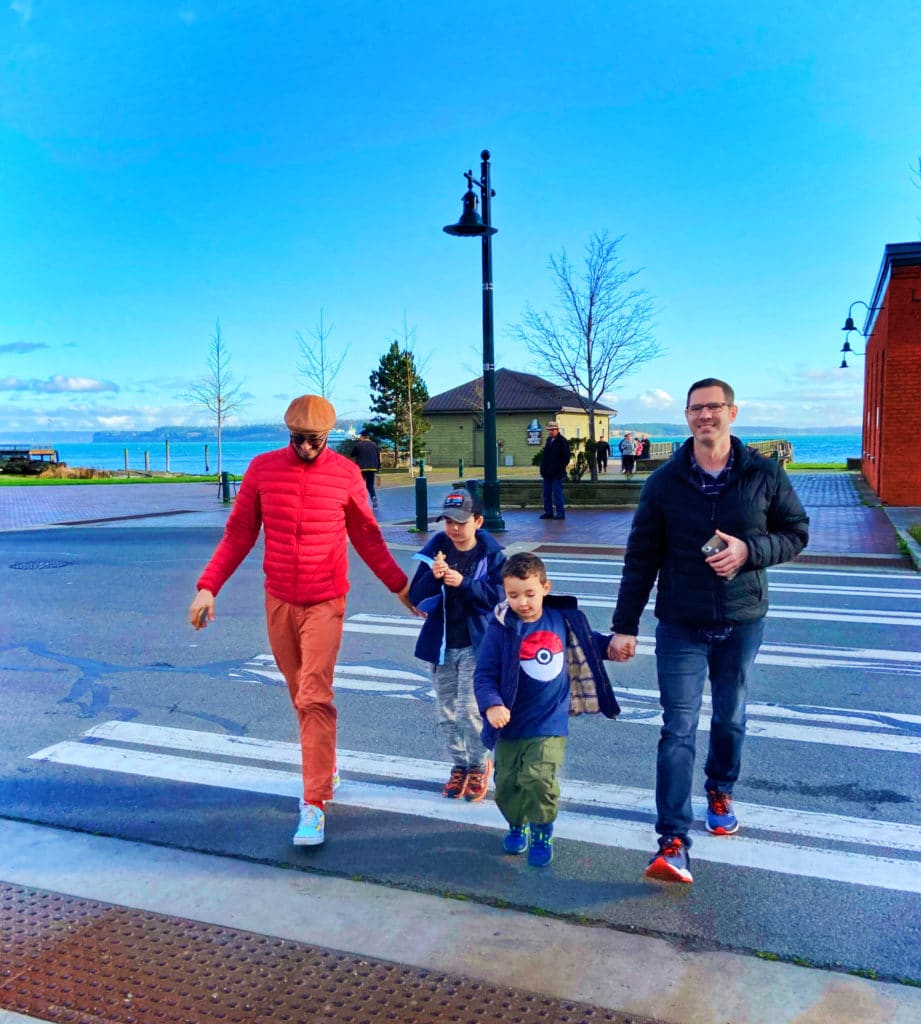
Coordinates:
[541,655]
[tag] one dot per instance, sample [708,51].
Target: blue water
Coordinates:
[189,456]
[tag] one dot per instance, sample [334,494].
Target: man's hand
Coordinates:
[201,610]
[726,563]
[622,647]
[403,597]
[498,716]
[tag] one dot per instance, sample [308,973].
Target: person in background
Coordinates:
[309,502]
[602,451]
[627,454]
[539,663]
[457,587]
[554,459]
[708,524]
[367,456]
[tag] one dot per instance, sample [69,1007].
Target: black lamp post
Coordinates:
[471,225]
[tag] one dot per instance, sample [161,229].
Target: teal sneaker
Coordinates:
[311,831]
[517,839]
[541,851]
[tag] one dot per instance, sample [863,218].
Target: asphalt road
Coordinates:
[146,730]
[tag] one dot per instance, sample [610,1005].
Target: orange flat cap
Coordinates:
[310,414]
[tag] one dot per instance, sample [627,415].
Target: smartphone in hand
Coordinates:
[713,546]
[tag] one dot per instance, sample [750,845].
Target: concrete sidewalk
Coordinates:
[448,945]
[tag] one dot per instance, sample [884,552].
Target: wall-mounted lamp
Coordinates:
[849,322]
[845,351]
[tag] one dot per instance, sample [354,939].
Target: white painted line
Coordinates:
[739,851]
[815,825]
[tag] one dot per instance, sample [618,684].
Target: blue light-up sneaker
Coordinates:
[517,839]
[540,852]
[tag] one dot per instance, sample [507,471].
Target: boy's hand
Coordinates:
[498,716]
[622,647]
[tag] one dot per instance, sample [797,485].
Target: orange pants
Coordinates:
[305,640]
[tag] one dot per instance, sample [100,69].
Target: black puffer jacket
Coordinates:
[675,518]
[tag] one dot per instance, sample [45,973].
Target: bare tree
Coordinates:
[601,330]
[216,390]
[317,366]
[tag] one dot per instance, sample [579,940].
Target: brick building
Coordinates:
[891,461]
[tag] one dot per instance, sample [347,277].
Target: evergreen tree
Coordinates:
[398,397]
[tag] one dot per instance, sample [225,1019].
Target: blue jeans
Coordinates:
[685,657]
[553,496]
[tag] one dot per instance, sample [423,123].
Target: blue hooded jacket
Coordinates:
[479,593]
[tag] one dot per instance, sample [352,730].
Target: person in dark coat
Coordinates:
[708,524]
[554,460]
[368,457]
[602,451]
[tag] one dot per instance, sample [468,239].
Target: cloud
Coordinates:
[656,398]
[23,8]
[21,347]
[57,384]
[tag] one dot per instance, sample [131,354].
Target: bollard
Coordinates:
[225,487]
[460,468]
[422,500]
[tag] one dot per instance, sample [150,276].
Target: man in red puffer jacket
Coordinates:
[309,501]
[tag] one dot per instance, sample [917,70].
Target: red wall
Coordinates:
[892,393]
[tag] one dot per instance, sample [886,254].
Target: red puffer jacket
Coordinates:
[306,509]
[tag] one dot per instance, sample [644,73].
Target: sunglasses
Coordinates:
[314,440]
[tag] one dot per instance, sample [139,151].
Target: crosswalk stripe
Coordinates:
[741,851]
[897,732]
[791,655]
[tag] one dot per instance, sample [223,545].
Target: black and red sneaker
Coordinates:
[478,782]
[671,863]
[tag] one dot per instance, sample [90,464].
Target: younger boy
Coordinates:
[457,587]
[539,662]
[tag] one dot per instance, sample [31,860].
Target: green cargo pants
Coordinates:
[528,778]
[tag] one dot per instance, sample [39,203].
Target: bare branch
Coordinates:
[601,329]
[317,366]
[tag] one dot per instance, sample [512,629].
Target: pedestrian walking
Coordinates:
[554,459]
[309,502]
[457,587]
[708,524]
[367,456]
[627,454]
[602,451]
[539,663]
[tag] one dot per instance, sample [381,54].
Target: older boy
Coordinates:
[457,587]
[539,662]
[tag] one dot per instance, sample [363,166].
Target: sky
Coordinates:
[166,165]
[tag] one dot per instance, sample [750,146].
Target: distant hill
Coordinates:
[255,432]
[681,429]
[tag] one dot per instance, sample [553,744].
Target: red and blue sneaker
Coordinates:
[671,863]
[720,819]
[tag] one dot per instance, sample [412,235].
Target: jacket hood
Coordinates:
[562,602]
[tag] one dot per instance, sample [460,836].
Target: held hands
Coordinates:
[201,610]
[498,716]
[622,647]
[403,598]
[729,561]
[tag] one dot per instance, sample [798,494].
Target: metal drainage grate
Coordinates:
[69,959]
[41,563]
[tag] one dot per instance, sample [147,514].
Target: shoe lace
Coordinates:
[720,803]
[671,848]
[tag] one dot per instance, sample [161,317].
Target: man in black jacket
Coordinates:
[711,601]
[553,462]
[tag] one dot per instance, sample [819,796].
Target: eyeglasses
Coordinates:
[314,440]
[696,410]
